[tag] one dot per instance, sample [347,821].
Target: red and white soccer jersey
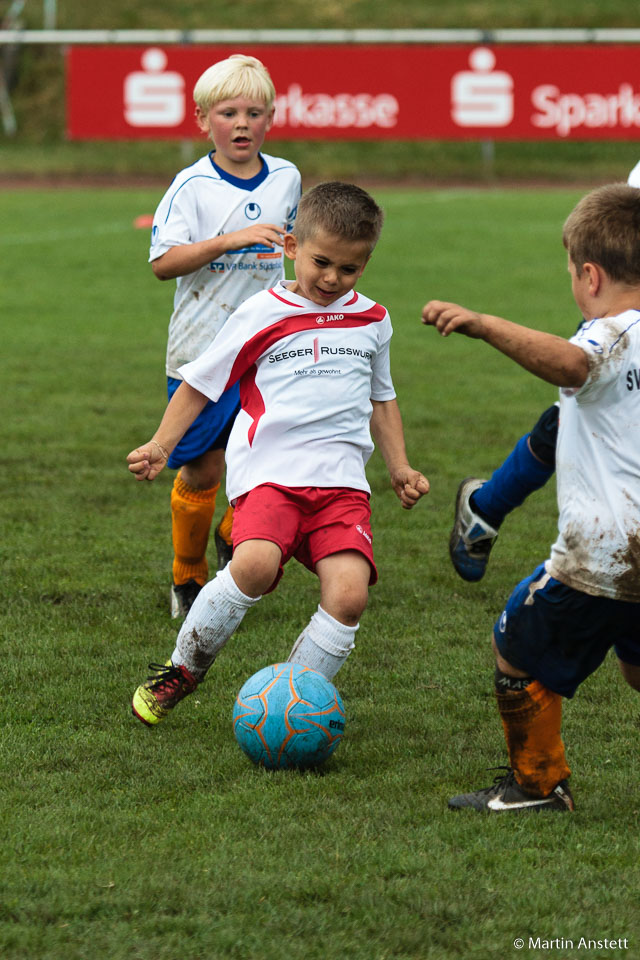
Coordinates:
[307,377]
[203,202]
[598,465]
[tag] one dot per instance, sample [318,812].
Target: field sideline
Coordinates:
[121,842]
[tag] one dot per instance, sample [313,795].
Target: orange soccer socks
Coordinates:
[531,718]
[191,515]
[225,525]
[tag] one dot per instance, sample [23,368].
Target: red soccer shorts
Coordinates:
[308,523]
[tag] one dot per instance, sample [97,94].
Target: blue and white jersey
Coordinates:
[308,375]
[598,465]
[203,202]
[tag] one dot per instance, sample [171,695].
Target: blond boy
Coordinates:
[218,231]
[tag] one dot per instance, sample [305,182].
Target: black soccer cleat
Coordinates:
[182,597]
[507,794]
[223,549]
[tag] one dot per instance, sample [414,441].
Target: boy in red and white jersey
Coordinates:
[312,360]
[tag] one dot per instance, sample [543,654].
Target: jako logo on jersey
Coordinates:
[252,211]
[329,317]
[364,533]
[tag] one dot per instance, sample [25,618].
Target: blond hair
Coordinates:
[342,209]
[237,76]
[604,228]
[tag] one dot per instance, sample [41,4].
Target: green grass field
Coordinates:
[123,842]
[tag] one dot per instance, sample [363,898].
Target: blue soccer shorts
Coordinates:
[211,428]
[544,435]
[560,636]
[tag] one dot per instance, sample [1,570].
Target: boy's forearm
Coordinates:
[549,357]
[183,408]
[388,433]
[186,258]
[408,484]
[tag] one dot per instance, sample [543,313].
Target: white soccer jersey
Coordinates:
[598,465]
[203,202]
[307,377]
[634,177]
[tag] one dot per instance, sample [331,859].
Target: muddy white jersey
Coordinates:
[634,177]
[307,377]
[598,465]
[203,202]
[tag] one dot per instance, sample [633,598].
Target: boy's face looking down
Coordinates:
[237,128]
[326,266]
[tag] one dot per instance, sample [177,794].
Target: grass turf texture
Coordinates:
[121,842]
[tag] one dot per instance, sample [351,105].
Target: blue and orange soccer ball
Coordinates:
[287,715]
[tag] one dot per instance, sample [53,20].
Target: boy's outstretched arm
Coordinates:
[388,435]
[147,461]
[549,357]
[189,257]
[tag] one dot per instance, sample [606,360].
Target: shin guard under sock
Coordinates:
[510,485]
[324,644]
[531,718]
[216,613]
[191,516]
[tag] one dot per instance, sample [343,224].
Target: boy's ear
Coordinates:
[270,119]
[595,274]
[202,120]
[290,244]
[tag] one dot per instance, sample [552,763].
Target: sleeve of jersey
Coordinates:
[606,345]
[172,221]
[381,382]
[226,359]
[296,193]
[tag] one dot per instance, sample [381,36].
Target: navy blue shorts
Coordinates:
[544,435]
[211,428]
[560,636]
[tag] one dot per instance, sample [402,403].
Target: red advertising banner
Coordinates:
[370,92]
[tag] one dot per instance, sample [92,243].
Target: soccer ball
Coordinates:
[288,715]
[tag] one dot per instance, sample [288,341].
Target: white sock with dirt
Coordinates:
[324,644]
[216,613]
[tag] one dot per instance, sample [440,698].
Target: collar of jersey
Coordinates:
[282,292]
[249,184]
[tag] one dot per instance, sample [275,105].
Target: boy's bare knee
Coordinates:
[254,566]
[344,585]
[348,606]
[503,665]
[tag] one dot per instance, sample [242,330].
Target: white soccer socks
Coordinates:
[324,644]
[216,613]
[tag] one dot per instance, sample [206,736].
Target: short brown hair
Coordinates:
[604,228]
[343,209]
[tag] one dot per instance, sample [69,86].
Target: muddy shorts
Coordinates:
[559,635]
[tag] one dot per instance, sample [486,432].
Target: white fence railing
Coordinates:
[569,35]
